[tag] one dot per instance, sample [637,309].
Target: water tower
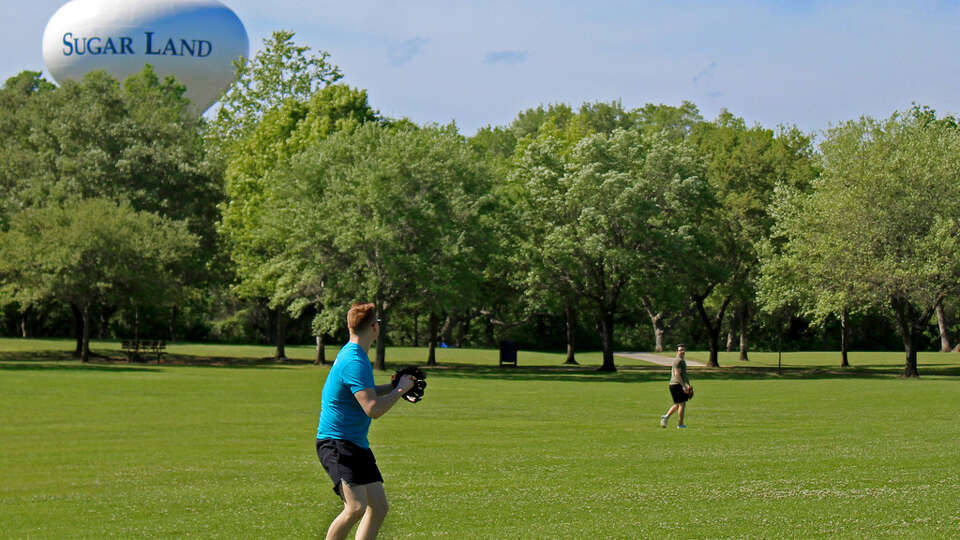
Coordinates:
[196,41]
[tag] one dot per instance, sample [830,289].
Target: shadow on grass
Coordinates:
[113,361]
[61,361]
[661,374]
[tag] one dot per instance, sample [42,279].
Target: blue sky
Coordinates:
[809,64]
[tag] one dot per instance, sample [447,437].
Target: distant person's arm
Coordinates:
[681,375]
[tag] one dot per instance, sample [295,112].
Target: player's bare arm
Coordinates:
[375,404]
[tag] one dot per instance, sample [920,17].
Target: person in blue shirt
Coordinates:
[350,400]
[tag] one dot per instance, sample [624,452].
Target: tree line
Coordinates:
[595,227]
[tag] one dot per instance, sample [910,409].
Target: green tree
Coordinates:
[743,166]
[15,93]
[665,302]
[15,127]
[529,122]
[94,252]
[566,128]
[793,276]
[558,132]
[146,147]
[283,132]
[606,216]
[677,122]
[279,103]
[134,142]
[605,117]
[390,214]
[282,70]
[496,145]
[502,305]
[881,227]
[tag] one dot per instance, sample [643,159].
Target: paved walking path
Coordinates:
[655,358]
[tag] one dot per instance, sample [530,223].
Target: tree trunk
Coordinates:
[714,360]
[380,362]
[447,328]
[416,329]
[658,332]
[713,326]
[136,323]
[905,315]
[85,352]
[490,331]
[571,316]
[606,331]
[321,358]
[280,334]
[656,320]
[432,325]
[743,317]
[172,329]
[942,323]
[463,327]
[844,335]
[77,330]
[910,350]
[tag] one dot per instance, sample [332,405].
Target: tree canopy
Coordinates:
[298,197]
[389,214]
[94,251]
[607,217]
[880,228]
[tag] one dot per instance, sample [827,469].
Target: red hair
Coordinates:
[361,316]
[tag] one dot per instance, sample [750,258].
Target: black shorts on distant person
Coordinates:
[678,393]
[347,462]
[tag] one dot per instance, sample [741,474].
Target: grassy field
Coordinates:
[218,443]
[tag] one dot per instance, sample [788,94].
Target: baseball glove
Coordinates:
[690,394]
[415,394]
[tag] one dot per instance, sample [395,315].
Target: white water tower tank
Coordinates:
[194,40]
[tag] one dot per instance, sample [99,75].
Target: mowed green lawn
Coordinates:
[122,450]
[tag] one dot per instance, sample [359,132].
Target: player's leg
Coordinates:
[678,396]
[376,511]
[354,506]
[681,408]
[666,418]
[673,409]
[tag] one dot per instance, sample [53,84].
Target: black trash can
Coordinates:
[508,353]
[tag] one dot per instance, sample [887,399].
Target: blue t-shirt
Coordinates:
[341,416]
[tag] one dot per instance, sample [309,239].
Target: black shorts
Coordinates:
[678,393]
[347,462]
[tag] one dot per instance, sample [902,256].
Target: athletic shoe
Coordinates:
[663,420]
[681,426]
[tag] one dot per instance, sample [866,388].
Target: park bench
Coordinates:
[135,348]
